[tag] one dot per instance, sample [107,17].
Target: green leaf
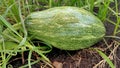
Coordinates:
[106,58]
[9,45]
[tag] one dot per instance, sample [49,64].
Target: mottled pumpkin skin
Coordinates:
[66,28]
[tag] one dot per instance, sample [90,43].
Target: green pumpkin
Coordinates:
[66,28]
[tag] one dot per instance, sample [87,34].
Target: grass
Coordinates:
[13,12]
[106,59]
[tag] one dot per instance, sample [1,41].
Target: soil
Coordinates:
[85,58]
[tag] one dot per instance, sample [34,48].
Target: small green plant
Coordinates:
[14,43]
[14,38]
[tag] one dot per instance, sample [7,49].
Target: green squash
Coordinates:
[66,28]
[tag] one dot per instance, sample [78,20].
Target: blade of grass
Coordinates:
[50,3]
[42,55]
[106,58]
[103,9]
[29,59]
[8,9]
[91,4]
[14,9]
[31,63]
[23,25]
[8,25]
[118,18]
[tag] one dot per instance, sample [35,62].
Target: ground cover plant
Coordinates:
[15,43]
